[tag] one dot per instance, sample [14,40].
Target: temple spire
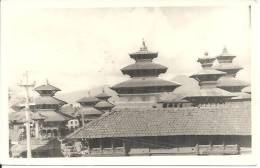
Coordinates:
[144,46]
[224,51]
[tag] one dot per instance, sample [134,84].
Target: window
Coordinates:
[170,105]
[164,105]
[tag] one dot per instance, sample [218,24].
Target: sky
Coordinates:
[82,48]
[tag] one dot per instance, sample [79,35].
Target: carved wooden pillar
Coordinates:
[113,145]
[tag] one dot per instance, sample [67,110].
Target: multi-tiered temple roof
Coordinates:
[87,108]
[144,75]
[229,82]
[46,106]
[104,104]
[207,79]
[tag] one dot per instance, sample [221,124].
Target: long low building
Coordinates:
[176,130]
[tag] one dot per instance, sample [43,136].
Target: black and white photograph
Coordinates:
[133,81]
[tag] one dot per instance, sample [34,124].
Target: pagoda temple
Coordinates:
[55,122]
[219,129]
[48,124]
[207,78]
[144,86]
[87,111]
[104,104]
[229,82]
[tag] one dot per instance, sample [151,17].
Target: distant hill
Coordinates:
[188,85]
[72,97]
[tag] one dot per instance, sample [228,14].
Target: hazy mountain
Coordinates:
[188,85]
[72,97]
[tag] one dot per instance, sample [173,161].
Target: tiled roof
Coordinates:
[144,66]
[227,81]
[88,100]
[37,116]
[47,87]
[210,92]
[172,98]
[247,89]
[104,104]
[145,82]
[53,116]
[49,100]
[103,95]
[89,111]
[218,120]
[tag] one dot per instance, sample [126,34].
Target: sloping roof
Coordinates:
[144,66]
[49,100]
[47,87]
[53,116]
[208,71]
[247,89]
[225,53]
[222,120]
[18,116]
[227,66]
[88,100]
[68,109]
[47,115]
[145,82]
[88,111]
[104,104]
[103,95]
[172,98]
[227,81]
[241,96]
[37,116]
[210,92]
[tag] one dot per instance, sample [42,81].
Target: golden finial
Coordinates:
[206,53]
[47,82]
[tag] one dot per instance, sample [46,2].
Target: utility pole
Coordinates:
[26,85]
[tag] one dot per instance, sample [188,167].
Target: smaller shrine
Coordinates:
[104,104]
[229,82]
[207,78]
[87,111]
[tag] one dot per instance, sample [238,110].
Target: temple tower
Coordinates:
[87,111]
[207,78]
[229,82]
[144,86]
[104,104]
